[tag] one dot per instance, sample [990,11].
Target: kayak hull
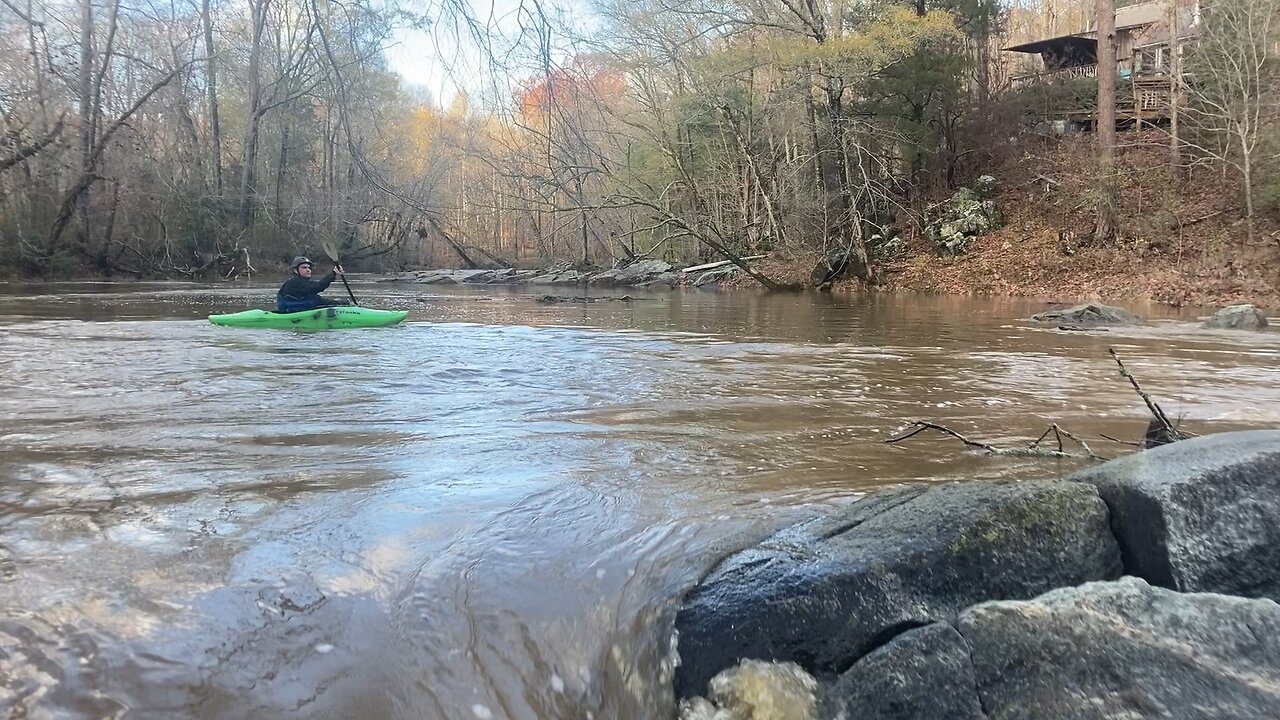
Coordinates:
[328,318]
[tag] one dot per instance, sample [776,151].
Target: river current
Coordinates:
[491,510]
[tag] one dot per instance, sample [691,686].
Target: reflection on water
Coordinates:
[487,511]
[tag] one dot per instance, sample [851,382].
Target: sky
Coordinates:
[445,58]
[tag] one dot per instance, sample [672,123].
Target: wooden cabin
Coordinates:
[1143,55]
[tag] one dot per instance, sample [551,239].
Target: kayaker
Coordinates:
[300,292]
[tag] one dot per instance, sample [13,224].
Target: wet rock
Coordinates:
[756,690]
[1199,515]
[667,279]
[969,213]
[608,278]
[442,277]
[1237,317]
[561,277]
[1088,314]
[1126,650]
[641,272]
[922,674]
[837,264]
[479,278]
[826,592]
[553,299]
[451,277]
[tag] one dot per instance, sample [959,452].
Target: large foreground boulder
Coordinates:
[1089,314]
[1237,317]
[1199,515]
[922,674]
[1125,651]
[826,592]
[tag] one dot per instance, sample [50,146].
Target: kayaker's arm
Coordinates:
[301,287]
[325,280]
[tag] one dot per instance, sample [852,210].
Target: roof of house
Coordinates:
[1133,16]
[1083,40]
[1147,13]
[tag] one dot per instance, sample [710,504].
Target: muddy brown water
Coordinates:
[490,510]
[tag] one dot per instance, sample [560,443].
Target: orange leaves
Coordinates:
[587,78]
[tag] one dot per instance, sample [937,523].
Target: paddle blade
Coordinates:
[332,252]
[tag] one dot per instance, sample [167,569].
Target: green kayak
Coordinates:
[330,318]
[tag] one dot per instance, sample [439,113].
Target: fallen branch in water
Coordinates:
[1160,431]
[1130,443]
[1033,450]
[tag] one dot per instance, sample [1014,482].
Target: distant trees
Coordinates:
[164,137]
[122,121]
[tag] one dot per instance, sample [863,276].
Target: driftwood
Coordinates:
[720,263]
[1034,450]
[1159,431]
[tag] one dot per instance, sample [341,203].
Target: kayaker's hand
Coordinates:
[338,269]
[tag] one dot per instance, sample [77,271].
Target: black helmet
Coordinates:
[300,260]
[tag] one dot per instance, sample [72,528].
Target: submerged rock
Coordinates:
[826,592]
[1125,650]
[1199,515]
[1089,314]
[1237,317]
[552,299]
[756,690]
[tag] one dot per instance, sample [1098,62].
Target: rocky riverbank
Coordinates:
[642,274]
[1141,588]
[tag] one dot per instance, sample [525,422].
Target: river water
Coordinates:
[491,510]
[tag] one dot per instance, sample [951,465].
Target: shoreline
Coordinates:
[969,275]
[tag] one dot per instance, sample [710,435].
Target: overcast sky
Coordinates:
[444,58]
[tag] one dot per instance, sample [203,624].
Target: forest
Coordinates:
[205,138]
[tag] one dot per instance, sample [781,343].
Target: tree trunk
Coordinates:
[187,124]
[1105,228]
[847,225]
[1246,177]
[815,148]
[37,70]
[211,72]
[86,84]
[253,120]
[280,165]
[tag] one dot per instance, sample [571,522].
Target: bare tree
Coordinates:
[211,89]
[249,164]
[1232,100]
